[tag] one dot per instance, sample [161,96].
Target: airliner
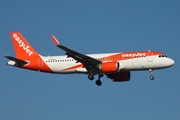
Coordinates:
[116,66]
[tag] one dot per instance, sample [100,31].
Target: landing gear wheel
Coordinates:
[98,82]
[91,77]
[152,77]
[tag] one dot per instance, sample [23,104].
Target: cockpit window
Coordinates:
[162,56]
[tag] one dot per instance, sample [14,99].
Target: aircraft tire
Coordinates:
[91,77]
[98,82]
[152,77]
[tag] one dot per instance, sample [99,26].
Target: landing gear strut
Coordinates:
[98,82]
[151,76]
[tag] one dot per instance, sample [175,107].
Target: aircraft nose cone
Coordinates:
[171,62]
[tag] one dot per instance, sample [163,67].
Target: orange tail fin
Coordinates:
[23,49]
[26,56]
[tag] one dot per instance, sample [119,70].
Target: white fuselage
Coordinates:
[63,65]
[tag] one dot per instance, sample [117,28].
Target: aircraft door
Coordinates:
[149,56]
[40,62]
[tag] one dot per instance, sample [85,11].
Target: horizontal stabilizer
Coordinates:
[16,60]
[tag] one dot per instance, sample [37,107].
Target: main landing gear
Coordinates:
[98,82]
[151,76]
[91,77]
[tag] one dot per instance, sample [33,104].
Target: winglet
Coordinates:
[56,42]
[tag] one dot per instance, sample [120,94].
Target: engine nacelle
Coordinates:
[111,67]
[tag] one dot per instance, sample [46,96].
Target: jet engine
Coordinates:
[111,67]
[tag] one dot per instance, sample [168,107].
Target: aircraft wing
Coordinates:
[87,61]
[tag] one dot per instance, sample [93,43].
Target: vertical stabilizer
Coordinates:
[26,56]
[23,49]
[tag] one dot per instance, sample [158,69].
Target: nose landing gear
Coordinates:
[151,76]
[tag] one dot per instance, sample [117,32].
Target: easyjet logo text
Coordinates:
[134,55]
[22,45]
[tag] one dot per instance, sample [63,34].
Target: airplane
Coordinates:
[116,66]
